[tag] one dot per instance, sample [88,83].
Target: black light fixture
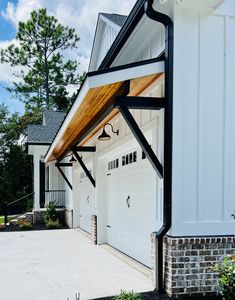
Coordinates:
[104,136]
[72,159]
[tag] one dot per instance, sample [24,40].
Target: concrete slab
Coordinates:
[57,264]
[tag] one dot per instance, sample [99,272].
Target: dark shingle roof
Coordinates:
[117,19]
[45,133]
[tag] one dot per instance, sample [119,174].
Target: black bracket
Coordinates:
[133,102]
[84,148]
[59,165]
[79,159]
[141,103]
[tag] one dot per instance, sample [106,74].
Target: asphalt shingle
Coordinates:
[46,132]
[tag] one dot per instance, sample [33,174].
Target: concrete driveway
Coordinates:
[56,264]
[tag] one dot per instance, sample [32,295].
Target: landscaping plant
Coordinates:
[226,277]
[128,296]
[50,213]
[26,225]
[53,224]
[51,218]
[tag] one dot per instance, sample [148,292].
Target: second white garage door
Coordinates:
[131,206]
[86,195]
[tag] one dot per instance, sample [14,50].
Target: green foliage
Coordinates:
[226,277]
[50,214]
[15,177]
[26,225]
[50,224]
[45,73]
[29,205]
[128,296]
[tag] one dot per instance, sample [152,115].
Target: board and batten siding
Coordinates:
[107,39]
[203,124]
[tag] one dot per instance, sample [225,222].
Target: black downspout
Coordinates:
[168,127]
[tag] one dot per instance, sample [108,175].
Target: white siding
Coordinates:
[204,124]
[107,39]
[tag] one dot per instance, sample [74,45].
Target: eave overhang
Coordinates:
[95,99]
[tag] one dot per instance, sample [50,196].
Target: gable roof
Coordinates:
[111,24]
[115,18]
[45,133]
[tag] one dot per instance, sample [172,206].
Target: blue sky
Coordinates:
[7,33]
[79,14]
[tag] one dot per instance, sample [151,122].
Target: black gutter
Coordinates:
[168,128]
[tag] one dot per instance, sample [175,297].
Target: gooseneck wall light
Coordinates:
[72,159]
[104,135]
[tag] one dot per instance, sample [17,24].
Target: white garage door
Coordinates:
[130,206]
[85,201]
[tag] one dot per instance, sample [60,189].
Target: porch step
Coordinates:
[27,217]
[14,222]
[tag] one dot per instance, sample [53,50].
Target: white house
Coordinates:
[152,131]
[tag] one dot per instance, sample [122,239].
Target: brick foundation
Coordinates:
[94,229]
[188,261]
[69,217]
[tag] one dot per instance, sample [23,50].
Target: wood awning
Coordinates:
[95,99]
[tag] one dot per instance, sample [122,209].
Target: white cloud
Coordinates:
[79,14]
[6,71]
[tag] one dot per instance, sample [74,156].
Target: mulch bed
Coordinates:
[12,228]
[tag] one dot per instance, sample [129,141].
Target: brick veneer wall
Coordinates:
[188,261]
[94,229]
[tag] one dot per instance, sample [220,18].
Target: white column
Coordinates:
[36,181]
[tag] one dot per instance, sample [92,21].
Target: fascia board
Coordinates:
[126,74]
[74,108]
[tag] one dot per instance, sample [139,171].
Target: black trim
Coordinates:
[85,148]
[64,164]
[79,159]
[59,165]
[168,128]
[132,20]
[140,102]
[142,140]
[126,66]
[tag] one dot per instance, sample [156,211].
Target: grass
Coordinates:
[8,219]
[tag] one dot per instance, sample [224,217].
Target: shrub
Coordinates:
[128,296]
[50,224]
[29,205]
[50,213]
[226,277]
[26,225]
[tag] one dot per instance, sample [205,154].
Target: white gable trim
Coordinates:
[110,23]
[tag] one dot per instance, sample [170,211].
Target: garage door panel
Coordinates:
[86,200]
[131,226]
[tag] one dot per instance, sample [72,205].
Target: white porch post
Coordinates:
[36,181]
